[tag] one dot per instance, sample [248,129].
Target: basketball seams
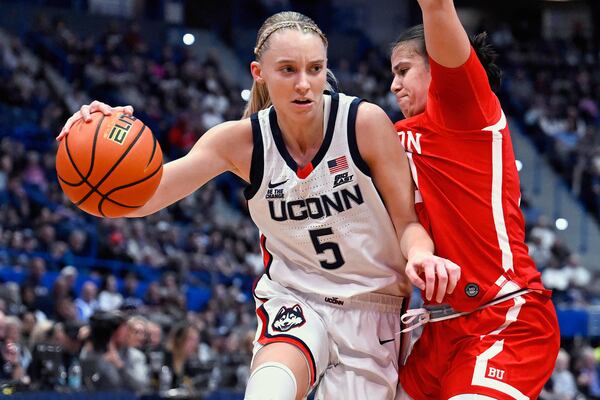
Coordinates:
[153,151]
[70,183]
[84,179]
[74,164]
[115,165]
[106,196]
[94,146]
[113,169]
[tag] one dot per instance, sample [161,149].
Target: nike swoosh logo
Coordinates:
[382,342]
[274,185]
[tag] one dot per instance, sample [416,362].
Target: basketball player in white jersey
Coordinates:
[330,190]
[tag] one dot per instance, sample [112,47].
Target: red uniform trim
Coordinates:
[266,338]
[304,171]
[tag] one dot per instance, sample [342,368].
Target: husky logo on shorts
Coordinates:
[288,318]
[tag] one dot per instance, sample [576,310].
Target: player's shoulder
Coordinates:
[230,137]
[239,130]
[369,115]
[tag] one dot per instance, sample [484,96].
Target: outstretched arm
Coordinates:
[462,98]
[446,40]
[225,147]
[380,148]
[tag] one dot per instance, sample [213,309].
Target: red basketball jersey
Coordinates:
[468,195]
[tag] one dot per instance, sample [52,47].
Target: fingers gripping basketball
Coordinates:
[109,166]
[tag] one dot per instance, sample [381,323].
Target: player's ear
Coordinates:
[256,71]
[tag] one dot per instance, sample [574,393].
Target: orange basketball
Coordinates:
[110,166]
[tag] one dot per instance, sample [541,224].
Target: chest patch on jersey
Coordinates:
[275,189]
[472,289]
[288,318]
[337,165]
[342,178]
[274,194]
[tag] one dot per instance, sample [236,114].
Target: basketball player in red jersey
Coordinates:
[497,335]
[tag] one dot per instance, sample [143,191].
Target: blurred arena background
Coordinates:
[182,278]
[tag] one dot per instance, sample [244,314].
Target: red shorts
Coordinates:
[505,351]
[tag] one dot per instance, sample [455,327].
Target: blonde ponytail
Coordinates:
[332,83]
[259,99]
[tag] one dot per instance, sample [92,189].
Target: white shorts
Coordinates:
[351,344]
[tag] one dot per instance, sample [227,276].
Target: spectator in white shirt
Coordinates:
[109,298]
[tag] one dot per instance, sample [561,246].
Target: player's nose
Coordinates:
[396,85]
[302,83]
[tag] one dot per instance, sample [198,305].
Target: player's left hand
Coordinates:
[434,269]
[87,109]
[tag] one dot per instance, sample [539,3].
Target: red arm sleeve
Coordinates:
[461,98]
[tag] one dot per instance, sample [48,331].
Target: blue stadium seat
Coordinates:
[197,297]
[8,274]
[572,322]
[141,290]
[202,275]
[49,278]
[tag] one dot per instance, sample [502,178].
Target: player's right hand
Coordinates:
[436,271]
[87,109]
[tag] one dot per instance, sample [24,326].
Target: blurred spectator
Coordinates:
[69,276]
[87,303]
[29,321]
[109,298]
[540,254]
[65,310]
[543,233]
[130,296]
[103,367]
[78,242]
[181,354]
[11,368]
[155,352]
[14,328]
[136,366]
[580,276]
[556,278]
[588,377]
[562,384]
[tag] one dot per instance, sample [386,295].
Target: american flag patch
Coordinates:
[337,165]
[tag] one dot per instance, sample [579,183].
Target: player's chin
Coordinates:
[404,108]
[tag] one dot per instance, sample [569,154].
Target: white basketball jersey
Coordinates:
[324,228]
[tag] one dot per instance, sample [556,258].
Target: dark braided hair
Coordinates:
[484,50]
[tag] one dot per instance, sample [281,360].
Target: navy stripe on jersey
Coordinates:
[254,289]
[278,138]
[403,310]
[266,338]
[257,166]
[267,256]
[352,142]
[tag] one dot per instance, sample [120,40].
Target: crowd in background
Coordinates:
[61,303]
[554,88]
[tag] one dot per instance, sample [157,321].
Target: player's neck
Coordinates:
[302,138]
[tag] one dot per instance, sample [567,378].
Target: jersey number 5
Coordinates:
[321,247]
